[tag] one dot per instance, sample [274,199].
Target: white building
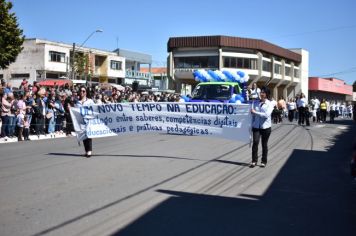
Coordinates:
[43,59]
[284,71]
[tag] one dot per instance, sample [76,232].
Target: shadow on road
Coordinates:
[312,195]
[59,154]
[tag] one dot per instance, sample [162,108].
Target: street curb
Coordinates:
[36,138]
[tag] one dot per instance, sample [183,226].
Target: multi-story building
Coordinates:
[133,64]
[284,71]
[43,59]
[159,77]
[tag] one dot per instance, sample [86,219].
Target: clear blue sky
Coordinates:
[326,28]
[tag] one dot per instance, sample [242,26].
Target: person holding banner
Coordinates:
[261,126]
[84,100]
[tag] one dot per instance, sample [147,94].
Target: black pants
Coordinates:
[40,124]
[323,115]
[257,133]
[291,115]
[301,112]
[88,144]
[69,123]
[26,133]
[332,116]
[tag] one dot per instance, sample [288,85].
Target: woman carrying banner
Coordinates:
[84,100]
[261,126]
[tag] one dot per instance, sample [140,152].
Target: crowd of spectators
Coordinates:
[304,111]
[32,109]
[35,110]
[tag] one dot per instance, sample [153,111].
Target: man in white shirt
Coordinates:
[301,104]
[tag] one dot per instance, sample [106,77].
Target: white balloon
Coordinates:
[221,75]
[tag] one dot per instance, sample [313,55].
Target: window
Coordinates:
[236,62]
[57,56]
[1,76]
[16,76]
[266,66]
[115,65]
[287,71]
[277,68]
[296,73]
[197,62]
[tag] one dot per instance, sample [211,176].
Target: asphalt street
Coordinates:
[157,184]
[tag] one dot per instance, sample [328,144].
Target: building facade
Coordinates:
[332,89]
[284,71]
[133,64]
[42,59]
[159,77]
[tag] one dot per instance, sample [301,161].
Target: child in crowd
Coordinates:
[20,123]
[26,129]
[275,115]
[314,115]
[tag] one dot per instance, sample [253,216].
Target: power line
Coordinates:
[318,31]
[347,71]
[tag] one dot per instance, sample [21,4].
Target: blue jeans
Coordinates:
[11,126]
[4,125]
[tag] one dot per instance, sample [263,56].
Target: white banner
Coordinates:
[231,121]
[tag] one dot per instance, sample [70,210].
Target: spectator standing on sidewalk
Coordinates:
[40,112]
[26,129]
[20,124]
[12,115]
[261,127]
[51,116]
[5,114]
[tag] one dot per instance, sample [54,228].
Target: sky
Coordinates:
[325,28]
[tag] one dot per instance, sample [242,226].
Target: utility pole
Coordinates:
[72,63]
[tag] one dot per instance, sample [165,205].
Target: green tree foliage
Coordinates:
[82,66]
[11,36]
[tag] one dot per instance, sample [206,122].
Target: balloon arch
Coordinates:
[239,77]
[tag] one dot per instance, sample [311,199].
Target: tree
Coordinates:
[11,36]
[82,65]
[354,86]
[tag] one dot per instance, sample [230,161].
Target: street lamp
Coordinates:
[96,31]
[73,54]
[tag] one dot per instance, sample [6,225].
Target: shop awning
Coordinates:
[55,82]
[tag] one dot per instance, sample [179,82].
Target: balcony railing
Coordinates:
[138,75]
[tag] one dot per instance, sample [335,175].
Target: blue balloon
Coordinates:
[232,100]
[238,97]
[214,75]
[229,76]
[241,74]
[185,98]
[199,76]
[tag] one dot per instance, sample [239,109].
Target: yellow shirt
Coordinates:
[323,106]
